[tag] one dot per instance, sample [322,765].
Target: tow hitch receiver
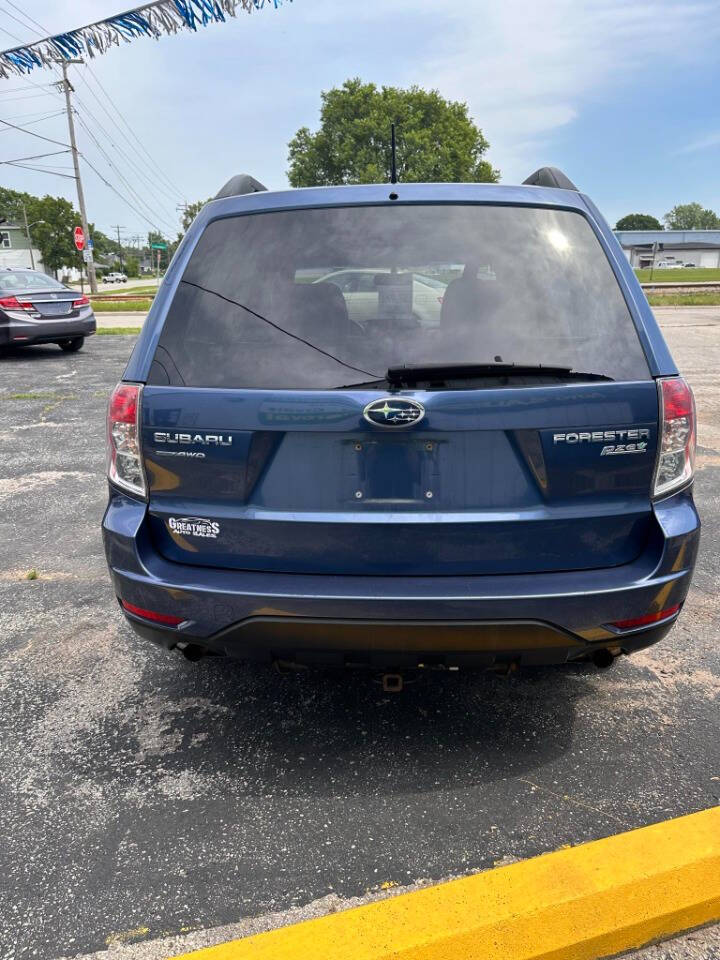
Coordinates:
[392,683]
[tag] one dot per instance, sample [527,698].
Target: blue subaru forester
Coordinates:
[414,425]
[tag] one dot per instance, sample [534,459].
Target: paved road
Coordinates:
[145,797]
[120,287]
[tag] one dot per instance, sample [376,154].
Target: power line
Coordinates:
[28,121]
[28,86]
[30,96]
[27,16]
[152,183]
[33,134]
[13,35]
[25,166]
[135,137]
[5,10]
[129,186]
[36,156]
[121,196]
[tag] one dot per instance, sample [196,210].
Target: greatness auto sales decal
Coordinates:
[194,527]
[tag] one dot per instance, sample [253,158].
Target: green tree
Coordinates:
[132,267]
[638,221]
[691,216]
[191,211]
[54,236]
[436,139]
[103,246]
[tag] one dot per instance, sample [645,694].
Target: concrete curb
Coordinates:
[581,903]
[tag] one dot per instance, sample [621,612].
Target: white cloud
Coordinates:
[528,68]
[703,143]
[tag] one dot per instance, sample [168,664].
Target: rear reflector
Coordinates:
[647,619]
[123,439]
[165,618]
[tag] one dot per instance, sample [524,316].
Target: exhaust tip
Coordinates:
[192,651]
[603,659]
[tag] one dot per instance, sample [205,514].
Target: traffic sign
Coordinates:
[159,246]
[88,255]
[79,238]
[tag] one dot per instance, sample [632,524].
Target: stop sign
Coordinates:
[79,237]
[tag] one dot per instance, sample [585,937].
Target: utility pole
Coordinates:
[117,227]
[68,88]
[27,234]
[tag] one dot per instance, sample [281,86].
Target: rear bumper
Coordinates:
[28,332]
[539,618]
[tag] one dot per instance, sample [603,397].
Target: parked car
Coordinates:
[362,288]
[35,308]
[115,278]
[511,486]
[668,265]
[687,265]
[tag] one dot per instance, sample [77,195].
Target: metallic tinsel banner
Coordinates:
[151,20]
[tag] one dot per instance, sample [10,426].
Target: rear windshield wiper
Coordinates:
[367,384]
[439,373]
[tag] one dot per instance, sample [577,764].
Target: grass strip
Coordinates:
[703,299]
[121,306]
[681,275]
[117,331]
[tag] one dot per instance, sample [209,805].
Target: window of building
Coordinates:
[5,240]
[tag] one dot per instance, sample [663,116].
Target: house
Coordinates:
[15,249]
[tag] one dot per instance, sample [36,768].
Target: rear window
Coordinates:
[318,299]
[27,280]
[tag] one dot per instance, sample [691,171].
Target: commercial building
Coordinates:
[700,248]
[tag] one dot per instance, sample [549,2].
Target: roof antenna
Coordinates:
[393,169]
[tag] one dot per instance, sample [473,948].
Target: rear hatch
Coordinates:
[275,438]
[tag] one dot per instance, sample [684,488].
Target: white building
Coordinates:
[15,249]
[699,248]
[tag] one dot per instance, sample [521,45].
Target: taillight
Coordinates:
[82,302]
[124,457]
[676,446]
[646,619]
[12,303]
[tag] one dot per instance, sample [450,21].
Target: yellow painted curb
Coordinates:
[581,903]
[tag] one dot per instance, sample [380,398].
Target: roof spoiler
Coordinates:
[550,177]
[240,184]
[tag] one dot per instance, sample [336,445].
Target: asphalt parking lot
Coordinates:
[146,797]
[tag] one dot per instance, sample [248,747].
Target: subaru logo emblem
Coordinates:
[394,412]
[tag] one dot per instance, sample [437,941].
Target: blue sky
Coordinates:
[624,96]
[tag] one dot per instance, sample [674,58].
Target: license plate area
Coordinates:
[59,309]
[392,470]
